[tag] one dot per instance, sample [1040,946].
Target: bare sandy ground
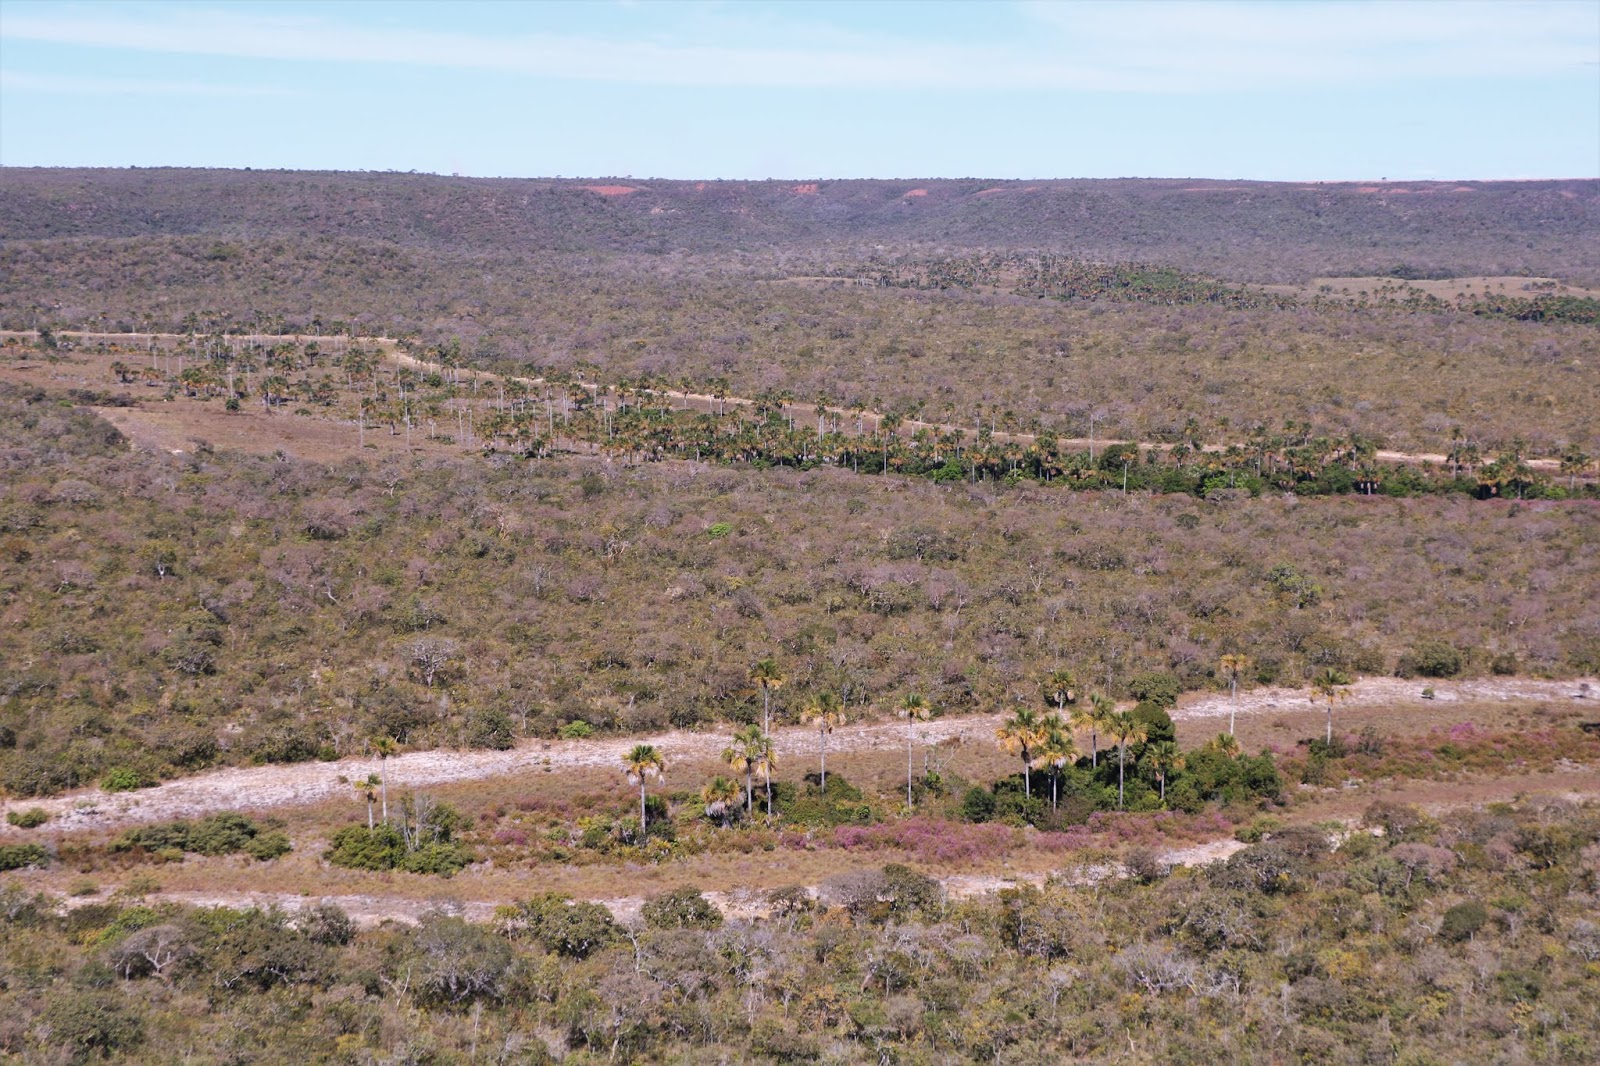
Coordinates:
[304,784]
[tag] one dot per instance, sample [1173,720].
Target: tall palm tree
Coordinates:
[1124,729]
[766,676]
[1093,718]
[1055,752]
[1330,686]
[1166,759]
[915,709]
[1232,666]
[641,763]
[737,756]
[367,789]
[825,712]
[385,746]
[721,797]
[1021,735]
[764,759]
[1057,687]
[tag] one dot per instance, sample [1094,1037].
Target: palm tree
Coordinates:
[1232,666]
[766,676]
[721,797]
[826,712]
[1093,718]
[385,746]
[764,758]
[641,763]
[1329,685]
[1224,744]
[1021,735]
[1166,759]
[738,758]
[1123,728]
[1055,751]
[1057,687]
[367,789]
[915,709]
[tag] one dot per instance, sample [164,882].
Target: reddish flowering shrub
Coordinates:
[931,839]
[511,836]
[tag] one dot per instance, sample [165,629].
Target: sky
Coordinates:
[1266,89]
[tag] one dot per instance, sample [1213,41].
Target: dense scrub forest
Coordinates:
[1466,937]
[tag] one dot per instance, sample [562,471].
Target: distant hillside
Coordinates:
[1248,230]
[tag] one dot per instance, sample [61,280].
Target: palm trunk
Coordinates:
[1055,779]
[1233,703]
[768,775]
[1027,776]
[383,786]
[369,813]
[1122,751]
[1094,749]
[644,829]
[1330,723]
[910,759]
[822,744]
[749,792]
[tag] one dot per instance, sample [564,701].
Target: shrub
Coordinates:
[92,1024]
[264,847]
[490,728]
[124,779]
[1157,688]
[977,804]
[227,833]
[579,730]
[384,847]
[681,908]
[32,818]
[1431,658]
[558,923]
[20,856]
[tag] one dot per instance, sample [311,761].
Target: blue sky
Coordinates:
[1338,90]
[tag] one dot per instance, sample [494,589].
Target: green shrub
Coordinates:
[359,848]
[1463,921]
[20,856]
[1157,688]
[32,818]
[579,730]
[490,728]
[384,847]
[124,779]
[681,908]
[558,923]
[227,833]
[265,847]
[1431,658]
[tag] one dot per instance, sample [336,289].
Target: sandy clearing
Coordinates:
[261,788]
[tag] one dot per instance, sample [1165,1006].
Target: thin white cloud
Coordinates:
[1157,46]
[75,85]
